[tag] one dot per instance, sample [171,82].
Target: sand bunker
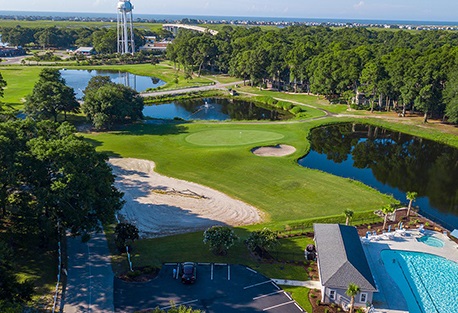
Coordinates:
[275,151]
[161,206]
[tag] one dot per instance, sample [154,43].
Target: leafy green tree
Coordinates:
[220,239]
[451,96]
[50,96]
[348,216]
[352,291]
[411,196]
[387,210]
[262,240]
[107,103]
[2,86]
[125,233]
[54,176]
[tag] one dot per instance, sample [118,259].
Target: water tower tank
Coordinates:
[125,6]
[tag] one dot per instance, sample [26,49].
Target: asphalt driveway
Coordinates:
[219,288]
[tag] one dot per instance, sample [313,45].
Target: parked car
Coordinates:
[188,272]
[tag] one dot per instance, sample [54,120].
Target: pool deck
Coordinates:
[390,298]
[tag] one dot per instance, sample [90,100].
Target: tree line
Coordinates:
[388,70]
[104,40]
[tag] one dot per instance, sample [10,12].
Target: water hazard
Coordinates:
[213,109]
[393,163]
[78,80]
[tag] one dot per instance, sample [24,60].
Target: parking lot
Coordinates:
[219,288]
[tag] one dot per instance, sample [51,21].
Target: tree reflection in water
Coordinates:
[391,162]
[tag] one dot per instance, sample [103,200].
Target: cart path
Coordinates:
[90,279]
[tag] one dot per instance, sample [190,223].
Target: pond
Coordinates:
[78,80]
[393,163]
[219,109]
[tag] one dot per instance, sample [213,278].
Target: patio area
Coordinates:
[390,298]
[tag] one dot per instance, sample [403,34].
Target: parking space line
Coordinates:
[178,304]
[228,272]
[298,307]
[278,305]
[203,263]
[268,295]
[275,285]
[222,264]
[251,270]
[169,264]
[258,284]
[286,294]
[211,273]
[178,271]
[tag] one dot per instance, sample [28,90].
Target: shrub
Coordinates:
[220,239]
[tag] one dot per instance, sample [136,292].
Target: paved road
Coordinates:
[90,277]
[192,89]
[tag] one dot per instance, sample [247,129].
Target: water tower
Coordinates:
[126,42]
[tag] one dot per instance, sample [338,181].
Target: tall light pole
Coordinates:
[126,42]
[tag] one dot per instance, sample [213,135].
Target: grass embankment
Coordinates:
[315,101]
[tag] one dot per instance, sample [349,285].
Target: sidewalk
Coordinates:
[90,277]
[311,284]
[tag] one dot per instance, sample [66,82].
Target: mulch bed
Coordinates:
[140,274]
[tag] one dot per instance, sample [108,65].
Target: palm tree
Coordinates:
[387,209]
[352,291]
[411,196]
[348,215]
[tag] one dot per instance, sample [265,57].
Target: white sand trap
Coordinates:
[161,206]
[275,151]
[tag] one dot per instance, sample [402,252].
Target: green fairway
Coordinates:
[231,137]
[280,187]
[20,80]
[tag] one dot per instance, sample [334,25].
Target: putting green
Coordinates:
[231,137]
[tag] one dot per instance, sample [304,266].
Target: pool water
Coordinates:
[428,282]
[431,241]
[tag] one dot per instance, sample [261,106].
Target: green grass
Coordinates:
[316,101]
[231,137]
[301,295]
[20,80]
[278,186]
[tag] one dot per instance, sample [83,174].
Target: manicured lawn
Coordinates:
[20,80]
[231,137]
[278,186]
[316,101]
[301,295]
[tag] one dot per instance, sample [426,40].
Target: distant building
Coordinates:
[342,261]
[153,45]
[11,52]
[85,51]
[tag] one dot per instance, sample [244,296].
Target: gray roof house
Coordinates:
[342,261]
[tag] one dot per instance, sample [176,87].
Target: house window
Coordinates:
[332,294]
[363,298]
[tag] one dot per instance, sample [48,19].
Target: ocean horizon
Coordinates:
[171,17]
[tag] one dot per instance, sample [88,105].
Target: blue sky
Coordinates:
[434,10]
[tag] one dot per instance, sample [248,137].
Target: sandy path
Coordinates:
[275,151]
[161,206]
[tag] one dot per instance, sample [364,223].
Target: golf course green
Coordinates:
[231,137]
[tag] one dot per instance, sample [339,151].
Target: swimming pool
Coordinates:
[431,241]
[428,282]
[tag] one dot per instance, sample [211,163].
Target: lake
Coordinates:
[393,163]
[219,109]
[78,80]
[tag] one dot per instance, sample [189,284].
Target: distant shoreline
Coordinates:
[218,19]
